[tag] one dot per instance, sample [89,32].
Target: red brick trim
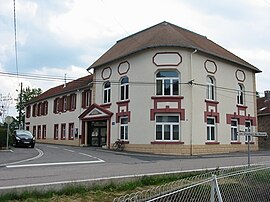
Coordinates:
[212,143]
[167,142]
[211,113]
[106,105]
[241,118]
[177,110]
[122,113]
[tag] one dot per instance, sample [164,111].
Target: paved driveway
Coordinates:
[56,164]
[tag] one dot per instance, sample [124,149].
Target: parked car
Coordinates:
[23,138]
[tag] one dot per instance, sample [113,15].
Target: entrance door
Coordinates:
[97,135]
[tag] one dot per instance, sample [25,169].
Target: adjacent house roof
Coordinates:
[72,86]
[167,35]
[263,106]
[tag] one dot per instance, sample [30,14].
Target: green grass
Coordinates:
[95,193]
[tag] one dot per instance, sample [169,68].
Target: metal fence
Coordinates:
[250,183]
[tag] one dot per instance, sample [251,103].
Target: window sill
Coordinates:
[107,105]
[211,101]
[167,97]
[167,142]
[125,141]
[250,142]
[212,143]
[236,143]
[241,106]
[122,102]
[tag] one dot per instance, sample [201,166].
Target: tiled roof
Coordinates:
[167,35]
[263,106]
[61,90]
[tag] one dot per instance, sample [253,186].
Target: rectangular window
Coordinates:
[64,103]
[57,105]
[56,132]
[167,128]
[39,132]
[211,129]
[124,128]
[248,128]
[28,111]
[44,132]
[73,102]
[71,131]
[63,131]
[234,130]
[34,131]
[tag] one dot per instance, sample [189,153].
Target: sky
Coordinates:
[64,37]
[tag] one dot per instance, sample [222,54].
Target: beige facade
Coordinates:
[166,96]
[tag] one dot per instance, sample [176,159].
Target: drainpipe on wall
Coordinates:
[191,103]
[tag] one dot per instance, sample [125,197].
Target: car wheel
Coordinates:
[32,145]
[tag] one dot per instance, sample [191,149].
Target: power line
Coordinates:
[15,38]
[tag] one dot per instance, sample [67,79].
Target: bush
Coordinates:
[3,137]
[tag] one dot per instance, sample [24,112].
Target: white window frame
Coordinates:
[73,102]
[171,125]
[240,94]
[71,131]
[170,79]
[106,93]
[248,129]
[125,87]
[209,128]
[87,98]
[233,128]
[211,89]
[65,103]
[124,127]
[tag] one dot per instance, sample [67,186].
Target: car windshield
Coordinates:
[22,133]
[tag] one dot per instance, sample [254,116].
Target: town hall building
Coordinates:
[162,90]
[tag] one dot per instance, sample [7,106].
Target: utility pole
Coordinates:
[20,108]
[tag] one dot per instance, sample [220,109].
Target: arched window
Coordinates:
[240,94]
[124,86]
[211,94]
[167,83]
[107,92]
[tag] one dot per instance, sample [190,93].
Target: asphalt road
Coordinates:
[55,164]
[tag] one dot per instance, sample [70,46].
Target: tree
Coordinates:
[25,96]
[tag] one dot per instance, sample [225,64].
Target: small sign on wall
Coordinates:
[113,123]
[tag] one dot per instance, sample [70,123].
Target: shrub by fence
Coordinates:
[3,138]
[235,184]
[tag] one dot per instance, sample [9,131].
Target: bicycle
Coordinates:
[118,145]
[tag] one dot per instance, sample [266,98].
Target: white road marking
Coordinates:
[69,150]
[52,146]
[91,156]
[40,154]
[86,155]
[54,164]
[112,178]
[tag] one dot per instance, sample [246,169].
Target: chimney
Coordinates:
[267,94]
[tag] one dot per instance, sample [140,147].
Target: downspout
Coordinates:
[191,102]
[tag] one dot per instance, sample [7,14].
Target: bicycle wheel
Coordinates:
[115,146]
[121,146]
